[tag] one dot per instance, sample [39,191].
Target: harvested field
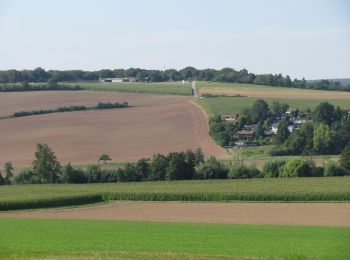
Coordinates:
[315,214]
[260,91]
[11,102]
[169,124]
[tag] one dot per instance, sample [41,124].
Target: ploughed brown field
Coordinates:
[314,214]
[11,102]
[160,124]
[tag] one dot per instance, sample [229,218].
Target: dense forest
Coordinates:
[188,73]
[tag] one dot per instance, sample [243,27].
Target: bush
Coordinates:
[296,167]
[71,175]
[238,171]
[26,177]
[345,157]
[211,169]
[332,168]
[93,173]
[279,151]
[272,169]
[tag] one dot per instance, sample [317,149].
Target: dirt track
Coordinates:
[163,125]
[315,214]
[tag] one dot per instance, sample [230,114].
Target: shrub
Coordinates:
[332,168]
[158,166]
[239,171]
[211,169]
[279,151]
[93,173]
[296,167]
[345,157]
[272,169]
[71,175]
[179,167]
[26,177]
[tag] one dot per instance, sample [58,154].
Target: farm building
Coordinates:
[230,117]
[118,80]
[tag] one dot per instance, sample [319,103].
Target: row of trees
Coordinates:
[188,73]
[187,165]
[101,105]
[25,86]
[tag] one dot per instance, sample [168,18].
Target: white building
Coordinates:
[118,80]
[231,117]
[274,128]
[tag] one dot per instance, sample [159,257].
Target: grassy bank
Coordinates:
[23,238]
[298,189]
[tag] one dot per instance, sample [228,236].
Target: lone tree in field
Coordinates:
[105,158]
[45,165]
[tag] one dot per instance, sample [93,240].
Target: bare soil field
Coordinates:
[274,92]
[11,102]
[315,214]
[164,124]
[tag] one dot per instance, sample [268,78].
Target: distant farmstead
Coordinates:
[118,80]
[231,117]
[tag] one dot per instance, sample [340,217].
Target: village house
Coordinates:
[246,135]
[274,128]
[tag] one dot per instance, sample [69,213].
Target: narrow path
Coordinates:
[314,214]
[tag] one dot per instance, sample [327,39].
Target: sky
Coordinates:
[300,38]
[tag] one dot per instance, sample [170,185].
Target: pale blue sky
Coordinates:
[300,38]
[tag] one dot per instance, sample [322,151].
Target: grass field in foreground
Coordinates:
[297,189]
[139,240]
[166,88]
[225,105]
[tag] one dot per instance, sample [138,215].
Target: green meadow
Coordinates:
[224,105]
[61,239]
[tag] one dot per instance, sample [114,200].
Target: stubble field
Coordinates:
[157,124]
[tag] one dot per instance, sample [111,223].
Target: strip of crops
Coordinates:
[244,196]
[51,202]
[277,189]
[222,197]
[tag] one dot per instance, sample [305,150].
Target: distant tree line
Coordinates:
[187,165]
[100,105]
[188,73]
